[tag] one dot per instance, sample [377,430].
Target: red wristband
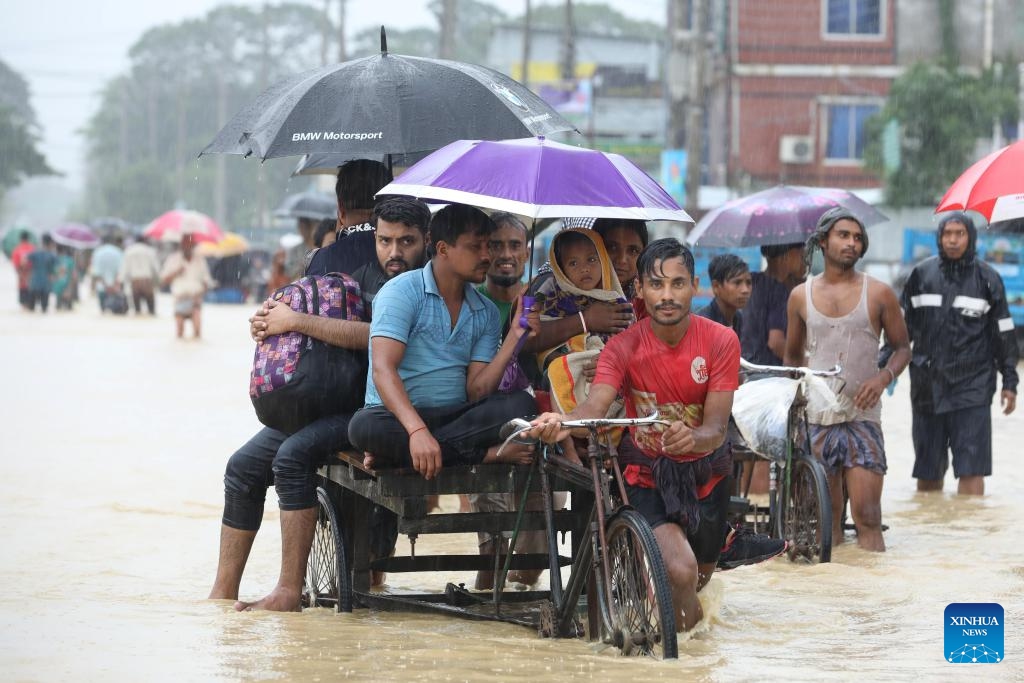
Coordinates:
[416,430]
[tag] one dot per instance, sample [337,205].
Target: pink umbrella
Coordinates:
[170,226]
[76,236]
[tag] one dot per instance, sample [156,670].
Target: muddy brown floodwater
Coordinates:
[113,445]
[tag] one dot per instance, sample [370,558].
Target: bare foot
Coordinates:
[368,460]
[278,600]
[527,577]
[512,454]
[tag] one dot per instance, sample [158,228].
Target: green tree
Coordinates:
[474,20]
[940,111]
[592,17]
[14,94]
[19,157]
[185,80]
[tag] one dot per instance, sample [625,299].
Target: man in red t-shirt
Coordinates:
[687,368]
[19,257]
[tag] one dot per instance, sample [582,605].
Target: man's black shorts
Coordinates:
[707,542]
[966,432]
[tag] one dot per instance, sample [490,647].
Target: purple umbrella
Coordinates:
[782,215]
[538,178]
[76,236]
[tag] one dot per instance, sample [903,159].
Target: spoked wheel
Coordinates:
[640,620]
[328,582]
[807,512]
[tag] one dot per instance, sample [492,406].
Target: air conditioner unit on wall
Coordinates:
[796,149]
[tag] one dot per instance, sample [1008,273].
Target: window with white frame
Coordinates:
[846,130]
[853,17]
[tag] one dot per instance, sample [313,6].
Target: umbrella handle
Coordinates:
[528,302]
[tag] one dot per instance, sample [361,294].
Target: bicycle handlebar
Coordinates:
[518,426]
[785,369]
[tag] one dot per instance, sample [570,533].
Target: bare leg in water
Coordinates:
[297,527]
[682,568]
[235,545]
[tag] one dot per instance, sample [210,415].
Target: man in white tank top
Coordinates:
[837,318]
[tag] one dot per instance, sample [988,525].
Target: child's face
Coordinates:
[582,265]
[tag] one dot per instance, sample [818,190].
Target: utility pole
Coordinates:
[568,45]
[325,33]
[695,118]
[675,71]
[220,175]
[342,45]
[179,146]
[262,212]
[447,46]
[1020,100]
[988,24]
[524,75]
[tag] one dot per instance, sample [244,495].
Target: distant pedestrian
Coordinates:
[66,280]
[42,272]
[21,267]
[962,335]
[105,267]
[140,271]
[189,277]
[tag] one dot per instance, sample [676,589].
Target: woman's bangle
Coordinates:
[417,430]
[583,322]
[892,375]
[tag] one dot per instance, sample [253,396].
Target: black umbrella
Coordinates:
[385,104]
[328,164]
[312,205]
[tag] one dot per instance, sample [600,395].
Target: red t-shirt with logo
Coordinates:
[651,375]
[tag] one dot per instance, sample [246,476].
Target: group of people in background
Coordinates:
[119,276]
[49,269]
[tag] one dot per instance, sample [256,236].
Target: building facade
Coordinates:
[806,75]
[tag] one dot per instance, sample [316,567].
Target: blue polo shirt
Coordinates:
[409,309]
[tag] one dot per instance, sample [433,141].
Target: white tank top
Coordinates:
[849,341]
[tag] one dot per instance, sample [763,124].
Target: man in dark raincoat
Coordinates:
[962,335]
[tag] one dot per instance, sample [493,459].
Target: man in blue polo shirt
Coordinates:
[436,359]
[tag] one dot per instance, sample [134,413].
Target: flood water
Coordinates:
[113,445]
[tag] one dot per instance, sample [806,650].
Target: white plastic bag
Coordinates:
[761,411]
[824,406]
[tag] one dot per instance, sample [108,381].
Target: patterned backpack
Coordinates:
[296,379]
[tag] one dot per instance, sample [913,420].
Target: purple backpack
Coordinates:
[296,379]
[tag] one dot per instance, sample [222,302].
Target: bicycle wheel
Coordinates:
[641,619]
[328,582]
[807,512]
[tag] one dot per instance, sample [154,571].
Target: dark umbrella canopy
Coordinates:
[312,205]
[328,164]
[782,215]
[385,104]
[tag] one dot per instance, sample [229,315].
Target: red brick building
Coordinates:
[806,74]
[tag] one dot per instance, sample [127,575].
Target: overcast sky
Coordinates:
[68,49]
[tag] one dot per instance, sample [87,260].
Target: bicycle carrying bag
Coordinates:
[296,379]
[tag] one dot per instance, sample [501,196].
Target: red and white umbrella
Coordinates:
[993,186]
[170,226]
